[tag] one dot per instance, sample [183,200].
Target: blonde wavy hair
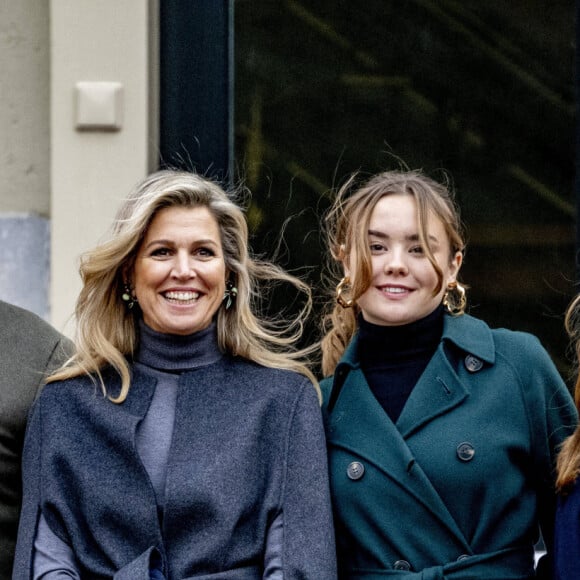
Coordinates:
[347,224]
[107,331]
[568,462]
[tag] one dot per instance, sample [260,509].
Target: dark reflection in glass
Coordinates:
[482,90]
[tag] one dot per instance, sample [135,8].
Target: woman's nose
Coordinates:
[396,264]
[183,266]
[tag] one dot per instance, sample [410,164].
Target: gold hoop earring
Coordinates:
[454,299]
[342,286]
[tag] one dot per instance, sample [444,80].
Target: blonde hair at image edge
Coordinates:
[568,462]
[106,331]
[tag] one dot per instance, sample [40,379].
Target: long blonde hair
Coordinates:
[568,463]
[347,224]
[107,333]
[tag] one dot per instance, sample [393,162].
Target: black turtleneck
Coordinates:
[393,358]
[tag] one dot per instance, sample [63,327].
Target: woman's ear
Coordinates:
[455,266]
[127,275]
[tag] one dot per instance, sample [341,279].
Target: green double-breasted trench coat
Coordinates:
[458,486]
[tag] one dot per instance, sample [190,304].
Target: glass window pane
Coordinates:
[482,90]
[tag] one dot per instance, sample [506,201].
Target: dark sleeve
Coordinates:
[31,478]
[308,551]
[566,556]
[552,418]
[31,349]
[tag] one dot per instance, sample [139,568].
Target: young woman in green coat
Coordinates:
[442,432]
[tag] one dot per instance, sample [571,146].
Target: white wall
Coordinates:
[24,154]
[108,40]
[60,186]
[24,106]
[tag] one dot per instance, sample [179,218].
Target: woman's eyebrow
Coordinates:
[411,238]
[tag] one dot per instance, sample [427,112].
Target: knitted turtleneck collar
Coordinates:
[384,344]
[176,353]
[394,357]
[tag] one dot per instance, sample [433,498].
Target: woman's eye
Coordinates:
[376,247]
[161,252]
[417,250]
[205,252]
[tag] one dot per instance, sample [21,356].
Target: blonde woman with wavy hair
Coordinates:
[442,432]
[191,460]
[106,330]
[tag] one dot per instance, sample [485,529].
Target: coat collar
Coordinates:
[467,333]
[440,389]
[470,335]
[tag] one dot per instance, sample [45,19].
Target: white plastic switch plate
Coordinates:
[99,106]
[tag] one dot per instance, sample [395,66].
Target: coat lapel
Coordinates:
[438,391]
[359,425]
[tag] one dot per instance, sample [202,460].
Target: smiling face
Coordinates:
[179,273]
[403,278]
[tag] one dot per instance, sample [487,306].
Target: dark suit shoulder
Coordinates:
[31,349]
[22,327]
[11,313]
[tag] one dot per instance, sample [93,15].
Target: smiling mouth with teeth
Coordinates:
[395,290]
[182,296]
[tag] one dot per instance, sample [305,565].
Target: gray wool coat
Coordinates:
[248,444]
[29,349]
